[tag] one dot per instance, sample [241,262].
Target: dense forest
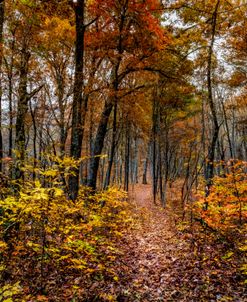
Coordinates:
[123,150]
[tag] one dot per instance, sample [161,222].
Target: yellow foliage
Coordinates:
[42,228]
[8,291]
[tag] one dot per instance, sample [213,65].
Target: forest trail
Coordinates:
[160,263]
[153,250]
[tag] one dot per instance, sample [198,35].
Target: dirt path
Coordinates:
[153,250]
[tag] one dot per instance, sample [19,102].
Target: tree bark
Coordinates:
[154,148]
[79,105]
[127,158]
[33,115]
[227,129]
[22,108]
[145,169]
[98,144]
[211,152]
[134,163]
[113,147]
[10,116]
[146,163]
[1,59]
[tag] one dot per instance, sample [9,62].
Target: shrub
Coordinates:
[50,245]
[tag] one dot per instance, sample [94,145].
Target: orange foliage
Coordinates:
[225,209]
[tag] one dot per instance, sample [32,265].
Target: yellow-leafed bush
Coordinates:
[50,244]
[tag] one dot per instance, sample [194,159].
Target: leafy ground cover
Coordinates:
[53,249]
[107,250]
[170,262]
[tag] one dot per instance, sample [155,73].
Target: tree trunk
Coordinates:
[162,196]
[22,108]
[145,169]
[211,153]
[102,128]
[10,68]
[113,146]
[98,144]
[227,129]
[145,165]
[135,162]
[10,117]
[127,158]
[79,105]
[33,115]
[167,162]
[1,76]
[234,147]
[154,149]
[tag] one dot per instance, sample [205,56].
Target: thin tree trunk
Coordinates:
[10,117]
[166,165]
[127,158]
[135,162]
[161,175]
[145,165]
[22,109]
[102,173]
[113,146]
[233,133]
[203,138]
[145,169]
[121,173]
[212,147]
[33,115]
[1,76]
[227,129]
[154,149]
[98,144]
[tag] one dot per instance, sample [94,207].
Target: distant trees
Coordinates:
[131,50]
[206,26]
[110,85]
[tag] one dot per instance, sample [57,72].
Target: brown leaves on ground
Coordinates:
[161,263]
[153,260]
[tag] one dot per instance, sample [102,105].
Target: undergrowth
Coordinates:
[216,228]
[53,249]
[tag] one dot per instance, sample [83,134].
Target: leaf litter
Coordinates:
[161,263]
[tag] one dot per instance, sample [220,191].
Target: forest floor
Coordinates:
[153,248]
[160,263]
[149,255]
